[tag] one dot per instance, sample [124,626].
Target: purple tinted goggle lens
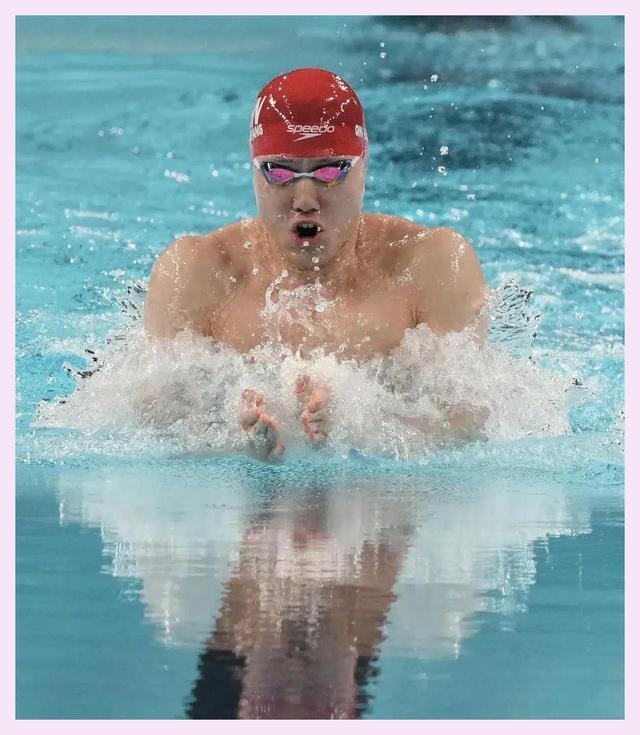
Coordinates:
[332,173]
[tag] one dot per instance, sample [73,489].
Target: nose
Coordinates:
[305,196]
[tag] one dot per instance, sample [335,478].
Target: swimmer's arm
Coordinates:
[451,289]
[451,294]
[460,422]
[187,283]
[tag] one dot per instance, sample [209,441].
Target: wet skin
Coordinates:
[377,276]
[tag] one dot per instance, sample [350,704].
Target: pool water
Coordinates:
[161,573]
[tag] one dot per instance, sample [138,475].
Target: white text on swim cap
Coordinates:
[256,127]
[309,131]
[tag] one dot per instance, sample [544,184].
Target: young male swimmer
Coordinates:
[381,274]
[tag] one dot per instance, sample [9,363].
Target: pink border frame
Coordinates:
[632,352]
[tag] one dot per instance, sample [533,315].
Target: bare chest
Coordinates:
[304,319]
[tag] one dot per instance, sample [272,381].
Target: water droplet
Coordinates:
[315,259]
[247,245]
[434,77]
[305,244]
[316,267]
[442,170]
[383,55]
[444,150]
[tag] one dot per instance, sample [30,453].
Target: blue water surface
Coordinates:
[486,582]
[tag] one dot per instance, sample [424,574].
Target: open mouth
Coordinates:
[306,231]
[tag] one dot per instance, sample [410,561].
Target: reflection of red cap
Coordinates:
[307,113]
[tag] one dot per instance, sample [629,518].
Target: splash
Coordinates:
[143,395]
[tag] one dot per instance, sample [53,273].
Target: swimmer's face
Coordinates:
[336,209]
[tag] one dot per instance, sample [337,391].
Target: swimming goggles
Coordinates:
[329,174]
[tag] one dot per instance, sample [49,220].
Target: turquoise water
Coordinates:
[157,579]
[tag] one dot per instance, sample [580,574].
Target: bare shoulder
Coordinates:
[445,250]
[449,284]
[191,279]
[189,255]
[404,240]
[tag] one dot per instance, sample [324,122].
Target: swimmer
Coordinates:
[380,274]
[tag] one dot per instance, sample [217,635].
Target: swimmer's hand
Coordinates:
[261,429]
[313,401]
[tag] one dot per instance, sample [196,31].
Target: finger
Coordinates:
[303,387]
[319,398]
[248,419]
[316,406]
[317,419]
[252,397]
[264,432]
[277,451]
[317,437]
[313,418]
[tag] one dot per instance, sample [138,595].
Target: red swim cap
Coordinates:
[307,113]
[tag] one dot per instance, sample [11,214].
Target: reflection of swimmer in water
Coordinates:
[302,619]
[366,277]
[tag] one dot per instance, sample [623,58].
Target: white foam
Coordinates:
[607,279]
[192,388]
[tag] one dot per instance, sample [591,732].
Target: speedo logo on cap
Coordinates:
[309,131]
